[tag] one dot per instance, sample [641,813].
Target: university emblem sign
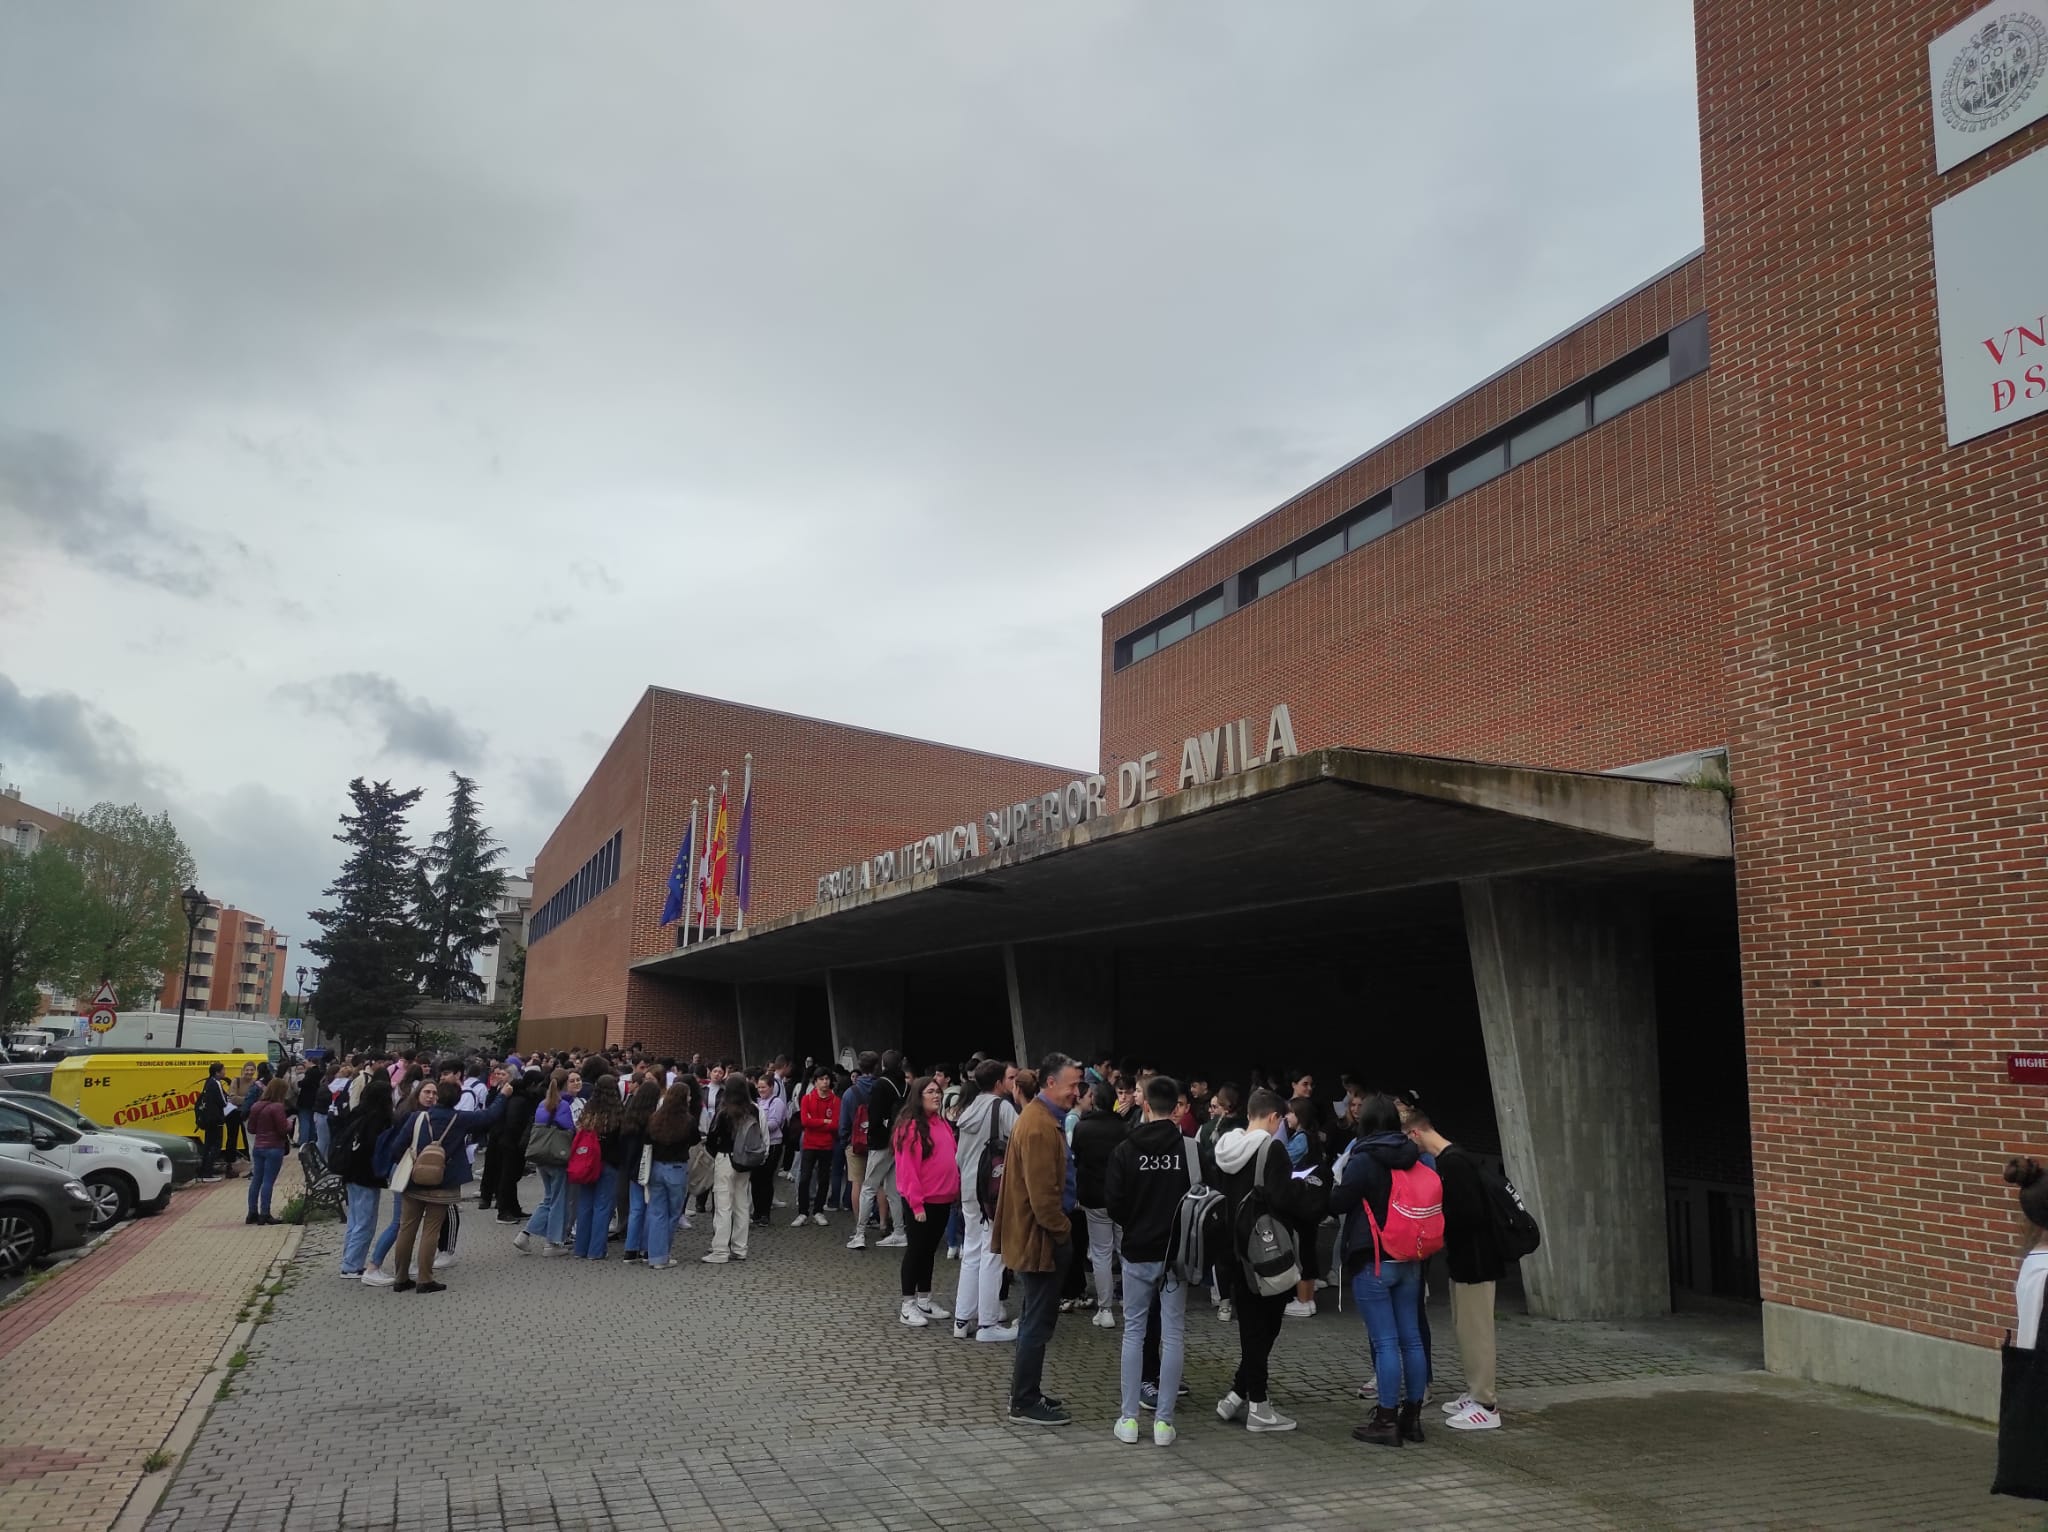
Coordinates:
[1987,77]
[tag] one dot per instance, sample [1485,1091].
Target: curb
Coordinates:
[147,1496]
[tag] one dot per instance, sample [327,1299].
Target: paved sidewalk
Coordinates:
[782,1393]
[100,1359]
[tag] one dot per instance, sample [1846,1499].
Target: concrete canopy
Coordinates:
[1327,826]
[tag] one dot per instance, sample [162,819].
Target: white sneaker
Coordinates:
[996,1333]
[912,1315]
[1223,1312]
[443,1259]
[1163,1433]
[952,1252]
[858,1242]
[1264,1417]
[1105,1319]
[1476,1417]
[1126,1430]
[551,1248]
[894,1241]
[1457,1406]
[1230,1406]
[521,1241]
[932,1310]
[351,1276]
[716,1258]
[683,1222]
[377,1276]
[818,1219]
[800,1220]
[963,1329]
[1296,1309]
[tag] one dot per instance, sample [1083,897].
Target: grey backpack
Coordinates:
[1271,1264]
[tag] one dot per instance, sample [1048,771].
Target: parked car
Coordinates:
[44,1211]
[180,1150]
[35,1077]
[122,1175]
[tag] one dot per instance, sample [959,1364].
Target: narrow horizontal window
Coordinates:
[1559,426]
[1209,610]
[1316,555]
[1369,526]
[1143,645]
[1274,578]
[1173,632]
[1475,470]
[1633,389]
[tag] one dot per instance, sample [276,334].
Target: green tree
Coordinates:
[512,969]
[368,944]
[45,926]
[134,867]
[455,899]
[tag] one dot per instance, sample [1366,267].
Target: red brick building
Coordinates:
[1718,526]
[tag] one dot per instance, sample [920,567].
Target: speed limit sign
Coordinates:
[101,1019]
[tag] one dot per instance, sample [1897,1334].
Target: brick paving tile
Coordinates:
[97,1371]
[554,1394]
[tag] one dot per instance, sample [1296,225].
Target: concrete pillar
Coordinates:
[1568,1009]
[1061,998]
[767,1021]
[867,1009]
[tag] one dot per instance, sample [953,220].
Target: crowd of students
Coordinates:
[1063,1188]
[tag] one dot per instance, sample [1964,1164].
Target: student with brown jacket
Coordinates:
[1034,1231]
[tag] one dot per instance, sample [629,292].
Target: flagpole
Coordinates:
[746,801]
[690,874]
[724,792]
[703,903]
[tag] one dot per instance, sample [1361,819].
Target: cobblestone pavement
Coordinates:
[100,1359]
[782,1393]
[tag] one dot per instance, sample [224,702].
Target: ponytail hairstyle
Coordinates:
[2032,1182]
[556,1082]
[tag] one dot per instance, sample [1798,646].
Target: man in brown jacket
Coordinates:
[1033,1233]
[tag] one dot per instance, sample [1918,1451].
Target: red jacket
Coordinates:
[821,1119]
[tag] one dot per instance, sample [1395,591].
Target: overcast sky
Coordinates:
[387,389]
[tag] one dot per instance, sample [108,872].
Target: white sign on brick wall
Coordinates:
[1992,285]
[1990,78]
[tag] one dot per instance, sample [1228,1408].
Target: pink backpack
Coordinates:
[1414,1230]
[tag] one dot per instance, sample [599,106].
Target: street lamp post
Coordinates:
[196,905]
[302,1005]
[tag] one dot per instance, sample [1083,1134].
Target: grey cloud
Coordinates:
[70,739]
[592,575]
[56,492]
[553,616]
[412,726]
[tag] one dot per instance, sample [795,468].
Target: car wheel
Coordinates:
[113,1199]
[24,1237]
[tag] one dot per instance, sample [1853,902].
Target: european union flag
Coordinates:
[679,881]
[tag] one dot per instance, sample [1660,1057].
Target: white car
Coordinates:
[123,1175]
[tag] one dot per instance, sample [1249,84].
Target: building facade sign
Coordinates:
[1992,288]
[1988,78]
[1219,752]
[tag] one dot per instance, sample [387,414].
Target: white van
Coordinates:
[142,1031]
[123,1175]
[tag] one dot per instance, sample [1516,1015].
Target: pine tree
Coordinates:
[455,899]
[368,944]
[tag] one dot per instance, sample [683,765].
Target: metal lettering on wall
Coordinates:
[1219,752]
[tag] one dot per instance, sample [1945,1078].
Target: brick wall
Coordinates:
[1566,614]
[825,794]
[1887,668]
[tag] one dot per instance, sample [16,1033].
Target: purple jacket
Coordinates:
[562,1118]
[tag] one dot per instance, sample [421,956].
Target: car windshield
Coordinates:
[50,1106]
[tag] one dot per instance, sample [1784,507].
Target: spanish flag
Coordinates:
[714,880]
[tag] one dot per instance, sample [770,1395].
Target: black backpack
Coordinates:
[207,1111]
[988,1172]
[1514,1228]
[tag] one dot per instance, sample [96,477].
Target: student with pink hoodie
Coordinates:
[928,1180]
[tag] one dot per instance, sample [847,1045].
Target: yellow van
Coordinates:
[155,1091]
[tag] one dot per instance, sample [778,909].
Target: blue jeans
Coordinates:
[1141,1280]
[668,1190]
[323,1131]
[390,1235]
[1391,1305]
[306,1128]
[839,1194]
[636,1213]
[264,1164]
[551,1215]
[956,1228]
[362,1224]
[594,1213]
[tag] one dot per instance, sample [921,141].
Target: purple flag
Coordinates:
[744,848]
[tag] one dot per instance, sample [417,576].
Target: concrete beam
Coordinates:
[867,1009]
[1567,1005]
[1061,999]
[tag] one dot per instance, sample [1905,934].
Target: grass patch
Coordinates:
[298,1211]
[227,1388]
[156,1462]
[238,1361]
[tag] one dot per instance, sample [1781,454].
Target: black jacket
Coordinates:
[1298,1203]
[1096,1137]
[1142,1188]
[1469,1248]
[885,1098]
[355,1145]
[1368,1181]
[312,1091]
